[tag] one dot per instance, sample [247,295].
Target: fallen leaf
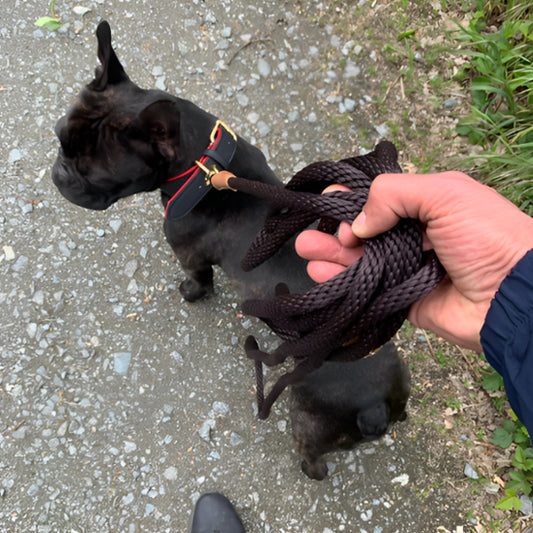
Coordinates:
[499,480]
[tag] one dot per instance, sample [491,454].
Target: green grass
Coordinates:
[499,74]
[453,403]
[339,120]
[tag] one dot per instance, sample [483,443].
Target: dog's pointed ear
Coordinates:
[110,71]
[161,121]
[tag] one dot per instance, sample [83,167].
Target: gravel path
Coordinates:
[120,402]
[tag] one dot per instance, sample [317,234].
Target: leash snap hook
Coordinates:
[209,172]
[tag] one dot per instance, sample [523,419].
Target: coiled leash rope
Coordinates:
[357,311]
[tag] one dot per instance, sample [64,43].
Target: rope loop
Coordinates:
[358,310]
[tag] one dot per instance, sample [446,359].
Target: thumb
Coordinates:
[377,215]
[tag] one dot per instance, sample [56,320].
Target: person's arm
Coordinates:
[507,338]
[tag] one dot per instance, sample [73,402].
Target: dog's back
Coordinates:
[341,404]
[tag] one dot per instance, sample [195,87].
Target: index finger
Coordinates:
[395,196]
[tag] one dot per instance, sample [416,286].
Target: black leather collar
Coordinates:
[187,189]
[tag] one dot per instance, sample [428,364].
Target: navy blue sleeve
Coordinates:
[507,338]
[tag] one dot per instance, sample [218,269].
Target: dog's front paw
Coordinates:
[191,290]
[317,470]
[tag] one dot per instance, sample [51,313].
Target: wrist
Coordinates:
[439,312]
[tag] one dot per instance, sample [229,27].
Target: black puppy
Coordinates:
[119,139]
[341,404]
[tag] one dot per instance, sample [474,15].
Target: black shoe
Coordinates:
[215,514]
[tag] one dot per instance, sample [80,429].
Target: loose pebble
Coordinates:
[122,362]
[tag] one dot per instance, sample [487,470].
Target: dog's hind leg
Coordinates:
[373,420]
[197,284]
[315,468]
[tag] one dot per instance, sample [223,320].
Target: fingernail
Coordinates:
[359,223]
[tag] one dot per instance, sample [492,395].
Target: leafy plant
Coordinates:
[512,432]
[52,22]
[502,437]
[511,501]
[492,381]
[500,73]
[522,477]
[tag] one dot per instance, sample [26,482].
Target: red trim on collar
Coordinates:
[189,187]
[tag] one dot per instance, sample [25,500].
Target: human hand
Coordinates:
[476,233]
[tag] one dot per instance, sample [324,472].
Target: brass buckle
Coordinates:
[225,126]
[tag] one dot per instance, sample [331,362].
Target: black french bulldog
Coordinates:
[342,404]
[119,139]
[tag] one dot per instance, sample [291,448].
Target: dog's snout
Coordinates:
[61,130]
[60,173]
[60,125]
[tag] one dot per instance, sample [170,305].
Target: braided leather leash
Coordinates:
[354,313]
